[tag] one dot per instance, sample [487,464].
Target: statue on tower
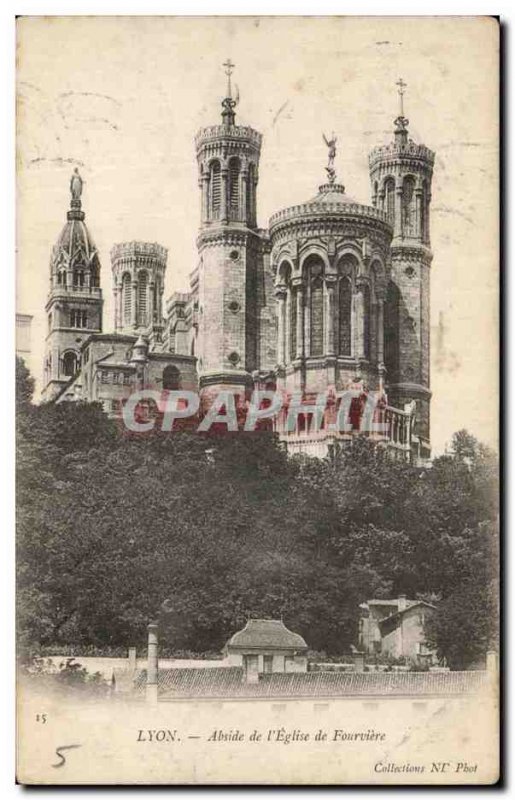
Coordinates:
[76,188]
[331,155]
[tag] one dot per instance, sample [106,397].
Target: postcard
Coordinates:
[257,398]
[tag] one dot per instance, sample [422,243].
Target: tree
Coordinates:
[203,531]
[24,387]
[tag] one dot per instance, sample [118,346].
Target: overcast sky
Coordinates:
[122,98]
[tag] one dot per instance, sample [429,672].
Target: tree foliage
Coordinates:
[203,531]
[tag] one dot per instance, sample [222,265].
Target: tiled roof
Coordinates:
[267,633]
[228,682]
[410,604]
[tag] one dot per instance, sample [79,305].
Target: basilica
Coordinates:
[333,294]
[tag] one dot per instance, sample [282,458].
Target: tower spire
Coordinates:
[228,104]
[401,123]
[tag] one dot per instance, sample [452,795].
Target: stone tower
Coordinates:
[229,248]
[74,305]
[138,280]
[400,174]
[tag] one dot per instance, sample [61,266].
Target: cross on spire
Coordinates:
[229,66]
[400,83]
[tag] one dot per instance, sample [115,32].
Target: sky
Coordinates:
[122,99]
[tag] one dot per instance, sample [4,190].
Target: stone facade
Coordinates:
[396,628]
[333,296]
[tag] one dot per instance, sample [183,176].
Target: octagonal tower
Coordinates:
[401,174]
[230,249]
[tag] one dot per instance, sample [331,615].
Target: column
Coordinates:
[204,183]
[253,209]
[330,282]
[359,323]
[151,303]
[223,198]
[287,336]
[243,195]
[398,226]
[134,302]
[427,225]
[380,330]
[160,303]
[280,294]
[419,210]
[299,299]
[117,307]
[152,664]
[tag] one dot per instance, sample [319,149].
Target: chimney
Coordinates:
[358,656]
[491,662]
[152,665]
[132,659]
[401,602]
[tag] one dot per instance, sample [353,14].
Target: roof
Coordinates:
[394,605]
[331,201]
[332,193]
[75,243]
[228,682]
[410,605]
[267,634]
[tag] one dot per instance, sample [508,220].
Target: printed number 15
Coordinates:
[41,718]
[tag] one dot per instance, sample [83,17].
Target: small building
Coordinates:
[266,646]
[396,628]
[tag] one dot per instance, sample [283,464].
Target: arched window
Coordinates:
[127,298]
[375,192]
[391,332]
[389,199]
[366,321]
[142,292]
[61,277]
[171,378]
[69,363]
[234,187]
[345,316]
[315,272]
[408,207]
[215,184]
